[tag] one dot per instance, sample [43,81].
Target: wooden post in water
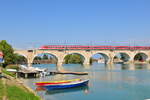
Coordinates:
[26,75]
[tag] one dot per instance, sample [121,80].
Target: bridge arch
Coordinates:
[21,58]
[21,54]
[100,57]
[141,56]
[80,58]
[51,58]
[121,57]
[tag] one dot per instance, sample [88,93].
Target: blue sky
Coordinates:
[31,23]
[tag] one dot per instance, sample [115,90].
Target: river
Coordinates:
[111,82]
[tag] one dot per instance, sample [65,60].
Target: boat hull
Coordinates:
[67,85]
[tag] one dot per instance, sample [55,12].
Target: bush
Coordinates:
[12,67]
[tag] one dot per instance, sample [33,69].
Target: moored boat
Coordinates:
[55,82]
[67,85]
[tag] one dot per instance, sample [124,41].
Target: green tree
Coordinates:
[45,57]
[19,59]
[74,59]
[115,57]
[138,57]
[37,58]
[123,57]
[67,59]
[91,60]
[8,53]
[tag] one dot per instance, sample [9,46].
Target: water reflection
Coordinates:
[40,88]
[107,82]
[94,66]
[127,66]
[84,89]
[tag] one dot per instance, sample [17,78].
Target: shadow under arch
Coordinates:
[121,57]
[99,58]
[140,57]
[45,58]
[74,58]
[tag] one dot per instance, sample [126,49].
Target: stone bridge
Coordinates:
[87,54]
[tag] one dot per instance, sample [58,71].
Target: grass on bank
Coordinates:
[14,92]
[8,73]
[17,93]
[13,74]
[1,89]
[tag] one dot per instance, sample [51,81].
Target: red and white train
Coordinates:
[80,47]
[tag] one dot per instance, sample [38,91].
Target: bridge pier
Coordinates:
[86,61]
[131,61]
[148,60]
[29,65]
[110,66]
[86,64]
[59,64]
[60,68]
[132,66]
[110,61]
[60,61]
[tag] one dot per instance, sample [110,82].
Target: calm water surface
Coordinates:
[111,82]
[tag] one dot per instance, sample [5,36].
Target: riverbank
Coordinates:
[14,89]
